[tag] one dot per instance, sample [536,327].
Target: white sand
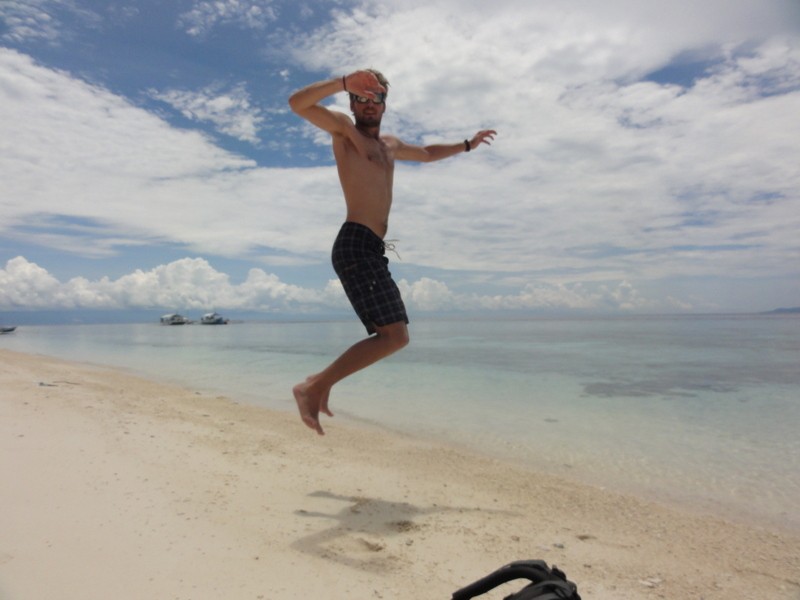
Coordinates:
[114,487]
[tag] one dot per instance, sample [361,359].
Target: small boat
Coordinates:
[7,329]
[174,319]
[213,318]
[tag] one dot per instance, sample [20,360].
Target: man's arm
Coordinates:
[305,102]
[436,152]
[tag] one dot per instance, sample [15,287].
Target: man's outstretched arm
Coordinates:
[435,152]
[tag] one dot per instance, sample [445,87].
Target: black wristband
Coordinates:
[467,147]
[344,83]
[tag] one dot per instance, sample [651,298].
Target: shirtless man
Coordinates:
[365,161]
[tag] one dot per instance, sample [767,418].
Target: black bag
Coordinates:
[546,583]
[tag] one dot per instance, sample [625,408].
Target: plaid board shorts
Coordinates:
[359,260]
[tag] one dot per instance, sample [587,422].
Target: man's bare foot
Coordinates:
[309,409]
[323,401]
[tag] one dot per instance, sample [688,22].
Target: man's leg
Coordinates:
[312,395]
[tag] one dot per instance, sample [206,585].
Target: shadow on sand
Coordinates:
[363,531]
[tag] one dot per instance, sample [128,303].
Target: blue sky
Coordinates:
[647,156]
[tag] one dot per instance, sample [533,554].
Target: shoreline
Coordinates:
[679,443]
[127,488]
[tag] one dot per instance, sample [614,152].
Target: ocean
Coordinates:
[698,411]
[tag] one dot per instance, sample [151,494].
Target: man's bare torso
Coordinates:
[366,173]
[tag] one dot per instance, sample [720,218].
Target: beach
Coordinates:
[115,486]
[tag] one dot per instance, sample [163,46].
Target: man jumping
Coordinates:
[365,162]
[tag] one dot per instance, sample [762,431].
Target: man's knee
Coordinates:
[396,334]
[402,338]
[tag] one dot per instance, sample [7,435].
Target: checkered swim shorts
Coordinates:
[360,262]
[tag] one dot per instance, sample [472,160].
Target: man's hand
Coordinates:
[485,136]
[364,83]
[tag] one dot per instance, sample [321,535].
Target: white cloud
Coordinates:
[28,21]
[207,14]
[597,176]
[25,284]
[587,158]
[193,284]
[77,151]
[230,112]
[186,283]
[41,20]
[427,294]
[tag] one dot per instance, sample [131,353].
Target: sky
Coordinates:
[647,157]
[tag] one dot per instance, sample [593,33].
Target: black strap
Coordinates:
[536,571]
[547,590]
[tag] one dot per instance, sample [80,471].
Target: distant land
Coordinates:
[783,311]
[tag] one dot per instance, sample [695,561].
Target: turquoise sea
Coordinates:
[701,411]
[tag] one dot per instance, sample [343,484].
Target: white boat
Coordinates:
[174,319]
[213,318]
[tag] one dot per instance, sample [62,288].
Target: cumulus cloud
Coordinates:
[190,283]
[193,284]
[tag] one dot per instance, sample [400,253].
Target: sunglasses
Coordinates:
[381,97]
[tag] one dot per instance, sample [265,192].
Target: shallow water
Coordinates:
[700,410]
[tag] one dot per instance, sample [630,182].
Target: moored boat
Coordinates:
[174,319]
[213,318]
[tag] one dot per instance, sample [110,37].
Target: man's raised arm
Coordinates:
[305,102]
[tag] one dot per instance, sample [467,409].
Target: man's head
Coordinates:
[368,112]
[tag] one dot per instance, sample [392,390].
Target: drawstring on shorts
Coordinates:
[390,246]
